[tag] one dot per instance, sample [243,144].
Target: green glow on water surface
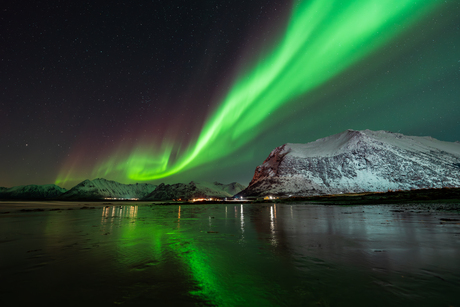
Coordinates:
[211,262]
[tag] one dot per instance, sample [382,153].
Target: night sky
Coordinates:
[174,91]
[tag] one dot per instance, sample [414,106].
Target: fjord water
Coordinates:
[231,255]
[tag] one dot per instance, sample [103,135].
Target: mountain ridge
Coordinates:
[357,161]
[31,191]
[194,190]
[101,188]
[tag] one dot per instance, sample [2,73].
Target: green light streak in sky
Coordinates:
[322,39]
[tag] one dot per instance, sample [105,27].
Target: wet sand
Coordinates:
[229,255]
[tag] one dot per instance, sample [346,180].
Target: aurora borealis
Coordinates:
[204,91]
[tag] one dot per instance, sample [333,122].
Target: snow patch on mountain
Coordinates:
[357,161]
[101,188]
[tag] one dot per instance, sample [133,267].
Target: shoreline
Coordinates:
[12,207]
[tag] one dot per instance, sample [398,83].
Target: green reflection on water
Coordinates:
[212,261]
[240,255]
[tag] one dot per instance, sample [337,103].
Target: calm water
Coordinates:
[231,255]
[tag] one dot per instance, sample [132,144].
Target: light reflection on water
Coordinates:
[262,254]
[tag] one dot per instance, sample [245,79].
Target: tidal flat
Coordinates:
[296,254]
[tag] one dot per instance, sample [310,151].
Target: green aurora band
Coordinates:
[322,39]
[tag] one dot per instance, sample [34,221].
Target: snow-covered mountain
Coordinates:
[357,161]
[194,190]
[101,188]
[32,191]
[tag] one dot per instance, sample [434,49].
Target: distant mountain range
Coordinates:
[100,188]
[194,190]
[357,161]
[33,191]
[348,162]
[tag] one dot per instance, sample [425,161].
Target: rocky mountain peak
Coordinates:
[357,161]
